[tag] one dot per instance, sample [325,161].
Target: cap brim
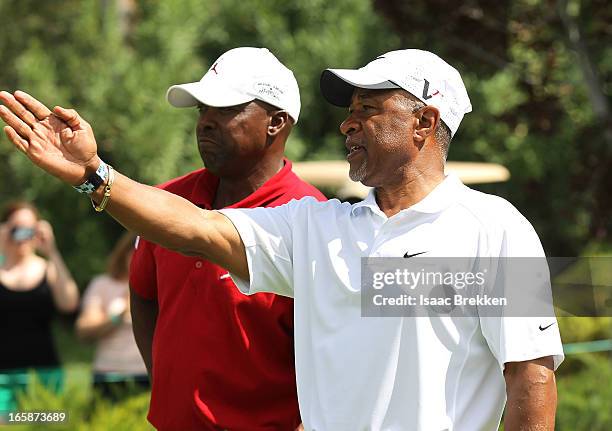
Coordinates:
[337,85]
[187,95]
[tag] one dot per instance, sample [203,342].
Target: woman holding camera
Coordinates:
[32,289]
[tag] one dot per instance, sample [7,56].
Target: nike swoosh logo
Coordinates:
[227,275]
[412,255]
[546,327]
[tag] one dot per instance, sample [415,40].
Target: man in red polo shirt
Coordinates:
[219,359]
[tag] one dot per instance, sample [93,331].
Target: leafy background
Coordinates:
[539,74]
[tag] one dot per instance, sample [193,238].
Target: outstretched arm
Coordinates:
[177,224]
[63,144]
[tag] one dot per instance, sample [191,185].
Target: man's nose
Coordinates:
[206,120]
[349,126]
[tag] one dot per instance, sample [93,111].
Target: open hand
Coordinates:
[60,142]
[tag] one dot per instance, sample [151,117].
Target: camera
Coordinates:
[20,234]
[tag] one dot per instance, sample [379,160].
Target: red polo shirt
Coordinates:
[222,360]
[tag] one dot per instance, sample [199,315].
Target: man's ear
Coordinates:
[426,121]
[278,121]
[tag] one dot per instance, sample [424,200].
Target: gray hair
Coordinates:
[442,132]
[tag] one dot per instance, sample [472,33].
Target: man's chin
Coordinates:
[358,174]
[210,162]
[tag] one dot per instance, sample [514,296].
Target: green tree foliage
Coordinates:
[526,63]
[539,73]
[114,60]
[584,399]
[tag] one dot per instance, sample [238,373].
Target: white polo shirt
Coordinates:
[359,373]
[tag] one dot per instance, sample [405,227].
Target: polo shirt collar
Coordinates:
[368,202]
[281,183]
[204,192]
[440,198]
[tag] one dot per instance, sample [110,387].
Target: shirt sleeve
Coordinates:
[268,240]
[143,272]
[529,329]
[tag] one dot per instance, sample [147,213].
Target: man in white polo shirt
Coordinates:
[401,373]
[359,373]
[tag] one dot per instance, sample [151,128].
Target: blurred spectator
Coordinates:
[32,289]
[105,317]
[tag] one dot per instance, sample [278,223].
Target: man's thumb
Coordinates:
[70,116]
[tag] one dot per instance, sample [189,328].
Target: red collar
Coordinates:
[206,185]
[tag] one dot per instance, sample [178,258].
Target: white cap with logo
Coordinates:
[240,76]
[422,73]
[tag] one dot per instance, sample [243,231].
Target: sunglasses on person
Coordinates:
[21,234]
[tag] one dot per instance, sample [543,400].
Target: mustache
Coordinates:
[207,137]
[206,134]
[351,141]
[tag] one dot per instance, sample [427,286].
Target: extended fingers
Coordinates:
[17,108]
[15,122]
[38,109]
[21,144]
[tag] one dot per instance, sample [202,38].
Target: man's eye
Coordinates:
[228,109]
[367,108]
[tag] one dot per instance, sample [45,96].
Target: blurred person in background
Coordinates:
[105,317]
[32,290]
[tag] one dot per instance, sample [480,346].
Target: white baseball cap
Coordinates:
[239,76]
[422,73]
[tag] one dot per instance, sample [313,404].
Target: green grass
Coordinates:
[86,410]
